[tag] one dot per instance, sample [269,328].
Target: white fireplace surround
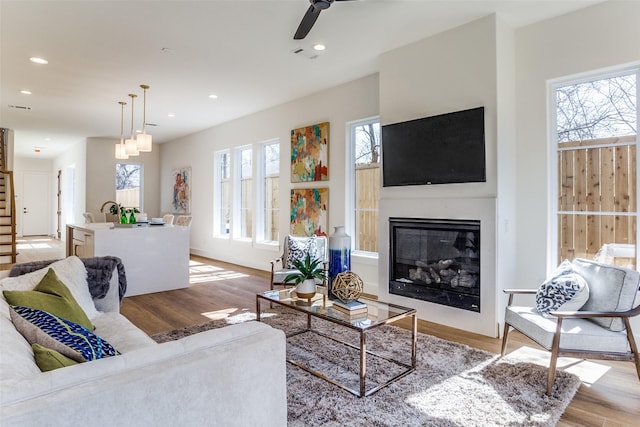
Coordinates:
[484,209]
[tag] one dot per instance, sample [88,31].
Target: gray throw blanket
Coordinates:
[99,271]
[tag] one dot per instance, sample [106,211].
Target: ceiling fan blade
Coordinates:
[307,22]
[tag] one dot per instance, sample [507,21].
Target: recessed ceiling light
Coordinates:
[171,115]
[25,92]
[38,60]
[47,139]
[319,46]
[213,96]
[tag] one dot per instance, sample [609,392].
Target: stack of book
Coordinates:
[351,308]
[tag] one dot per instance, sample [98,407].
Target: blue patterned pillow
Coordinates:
[564,290]
[68,338]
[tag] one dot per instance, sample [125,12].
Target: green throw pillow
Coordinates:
[48,359]
[52,296]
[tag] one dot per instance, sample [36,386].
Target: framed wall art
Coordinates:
[181,181]
[310,153]
[309,211]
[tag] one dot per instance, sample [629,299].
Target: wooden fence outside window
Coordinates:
[597,203]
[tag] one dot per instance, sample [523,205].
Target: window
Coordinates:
[128,185]
[268,192]
[596,186]
[243,207]
[364,146]
[222,193]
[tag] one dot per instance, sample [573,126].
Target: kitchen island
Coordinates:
[155,257]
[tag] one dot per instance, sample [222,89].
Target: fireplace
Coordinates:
[436,260]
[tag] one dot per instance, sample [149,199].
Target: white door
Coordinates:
[36,209]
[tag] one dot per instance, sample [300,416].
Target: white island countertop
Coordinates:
[155,257]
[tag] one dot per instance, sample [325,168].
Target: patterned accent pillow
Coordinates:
[565,290]
[53,296]
[299,248]
[69,339]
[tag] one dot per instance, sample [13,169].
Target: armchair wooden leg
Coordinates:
[505,334]
[632,345]
[555,349]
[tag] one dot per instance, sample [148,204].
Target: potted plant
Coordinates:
[308,270]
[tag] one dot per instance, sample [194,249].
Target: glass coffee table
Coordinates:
[378,314]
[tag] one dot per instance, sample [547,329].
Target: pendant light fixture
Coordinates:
[130,144]
[143,140]
[121,152]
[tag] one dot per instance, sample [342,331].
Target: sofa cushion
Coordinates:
[564,290]
[71,271]
[52,296]
[48,359]
[121,333]
[611,288]
[297,248]
[69,338]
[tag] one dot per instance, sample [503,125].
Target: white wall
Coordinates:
[75,157]
[338,105]
[603,36]
[452,71]
[599,37]
[101,181]
[481,63]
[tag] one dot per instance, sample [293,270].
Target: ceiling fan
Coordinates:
[311,16]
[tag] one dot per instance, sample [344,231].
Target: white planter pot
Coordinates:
[306,289]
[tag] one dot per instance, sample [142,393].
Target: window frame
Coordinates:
[350,188]
[260,183]
[217,194]
[237,228]
[553,149]
[140,206]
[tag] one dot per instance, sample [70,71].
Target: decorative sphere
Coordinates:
[347,286]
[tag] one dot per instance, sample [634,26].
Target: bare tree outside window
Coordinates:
[128,177]
[597,179]
[597,109]
[367,149]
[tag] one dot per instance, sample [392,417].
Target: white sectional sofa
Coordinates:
[233,376]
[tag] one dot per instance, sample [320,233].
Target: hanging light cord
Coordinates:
[122,104]
[132,95]
[144,110]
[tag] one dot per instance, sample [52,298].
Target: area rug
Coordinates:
[453,384]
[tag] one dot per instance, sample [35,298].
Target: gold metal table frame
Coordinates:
[383,314]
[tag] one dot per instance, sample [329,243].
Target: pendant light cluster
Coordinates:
[134,145]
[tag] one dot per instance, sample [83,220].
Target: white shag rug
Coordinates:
[453,384]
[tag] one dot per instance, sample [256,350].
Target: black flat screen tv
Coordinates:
[444,149]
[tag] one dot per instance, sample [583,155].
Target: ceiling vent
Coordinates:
[304,53]
[19,107]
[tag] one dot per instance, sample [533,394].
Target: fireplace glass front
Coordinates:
[436,260]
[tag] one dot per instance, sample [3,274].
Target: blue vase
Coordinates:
[339,254]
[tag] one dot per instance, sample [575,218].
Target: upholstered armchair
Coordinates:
[599,329]
[183,220]
[295,247]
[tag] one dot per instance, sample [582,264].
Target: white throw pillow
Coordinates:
[564,290]
[71,271]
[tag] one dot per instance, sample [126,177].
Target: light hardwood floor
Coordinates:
[609,395]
